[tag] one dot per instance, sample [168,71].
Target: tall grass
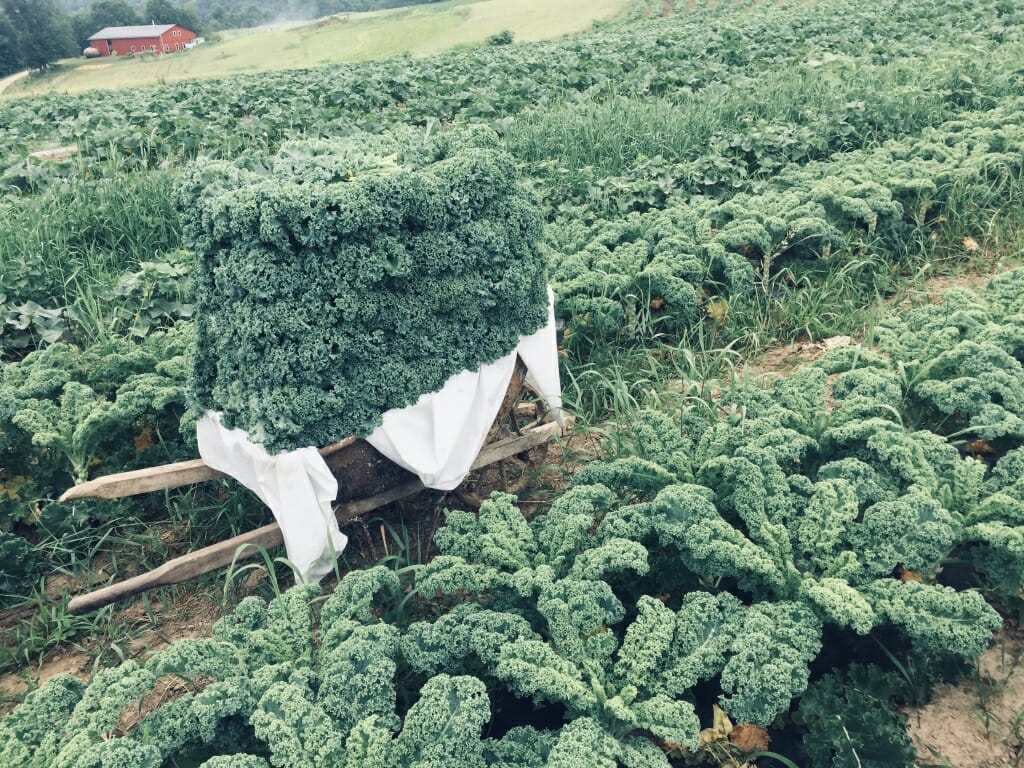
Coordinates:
[821,107]
[79,234]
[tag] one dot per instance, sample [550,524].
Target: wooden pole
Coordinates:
[161,478]
[222,554]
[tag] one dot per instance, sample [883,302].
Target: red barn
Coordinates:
[151,38]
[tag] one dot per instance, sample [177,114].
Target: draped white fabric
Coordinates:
[438,439]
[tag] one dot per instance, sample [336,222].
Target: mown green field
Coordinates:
[798,559]
[415,31]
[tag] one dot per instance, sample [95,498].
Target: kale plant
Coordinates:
[813,516]
[341,279]
[263,692]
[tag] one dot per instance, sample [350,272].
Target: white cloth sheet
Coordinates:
[438,439]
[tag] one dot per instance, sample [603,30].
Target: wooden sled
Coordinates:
[366,479]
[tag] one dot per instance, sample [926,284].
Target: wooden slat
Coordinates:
[221,554]
[369,471]
[143,481]
[161,478]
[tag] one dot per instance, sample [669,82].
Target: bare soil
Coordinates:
[978,723]
[193,615]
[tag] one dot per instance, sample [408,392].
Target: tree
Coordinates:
[10,52]
[104,13]
[164,12]
[114,13]
[43,31]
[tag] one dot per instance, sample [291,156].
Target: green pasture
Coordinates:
[417,31]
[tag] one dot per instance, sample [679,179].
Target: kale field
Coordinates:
[792,508]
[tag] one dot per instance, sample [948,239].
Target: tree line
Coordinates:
[209,16]
[35,33]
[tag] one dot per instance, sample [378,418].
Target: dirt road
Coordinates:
[12,79]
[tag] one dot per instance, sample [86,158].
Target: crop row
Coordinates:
[71,244]
[725,555]
[672,263]
[661,57]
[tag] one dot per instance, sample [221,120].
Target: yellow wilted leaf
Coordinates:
[979,448]
[657,303]
[906,575]
[971,245]
[721,727]
[143,440]
[718,310]
[12,487]
[750,738]
[33,517]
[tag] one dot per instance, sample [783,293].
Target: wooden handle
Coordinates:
[222,554]
[161,478]
[182,568]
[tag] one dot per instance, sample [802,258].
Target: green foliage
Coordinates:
[660,57]
[84,260]
[500,38]
[72,402]
[852,721]
[695,176]
[102,14]
[42,31]
[810,514]
[260,691]
[427,262]
[20,565]
[10,59]
[952,368]
[962,361]
[662,271]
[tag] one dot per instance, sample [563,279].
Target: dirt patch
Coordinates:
[189,614]
[166,690]
[11,79]
[780,361]
[56,154]
[14,685]
[978,723]
[666,8]
[193,615]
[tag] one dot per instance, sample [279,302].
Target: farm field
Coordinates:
[414,31]
[786,243]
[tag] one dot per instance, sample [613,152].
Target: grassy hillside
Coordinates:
[417,30]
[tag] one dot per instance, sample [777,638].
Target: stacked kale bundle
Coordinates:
[344,278]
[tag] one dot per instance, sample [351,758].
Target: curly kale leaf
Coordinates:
[444,726]
[498,554]
[709,545]
[941,622]
[357,599]
[297,731]
[357,677]
[464,633]
[671,651]
[583,742]
[639,686]
[769,660]
[499,536]
[44,711]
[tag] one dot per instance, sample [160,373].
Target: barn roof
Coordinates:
[120,33]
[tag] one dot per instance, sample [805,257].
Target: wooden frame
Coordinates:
[367,481]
